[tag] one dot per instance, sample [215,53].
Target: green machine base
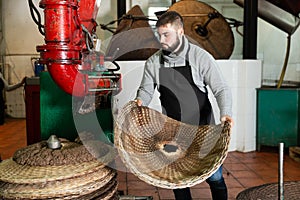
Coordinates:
[58,116]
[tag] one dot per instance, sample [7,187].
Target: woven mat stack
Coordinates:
[270,191]
[167,153]
[74,171]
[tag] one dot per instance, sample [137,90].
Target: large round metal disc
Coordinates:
[134,38]
[218,40]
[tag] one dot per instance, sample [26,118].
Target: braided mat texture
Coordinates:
[58,175]
[167,153]
[270,191]
[39,154]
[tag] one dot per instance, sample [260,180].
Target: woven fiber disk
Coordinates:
[36,172]
[167,153]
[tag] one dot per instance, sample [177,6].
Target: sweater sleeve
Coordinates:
[208,73]
[146,89]
[220,89]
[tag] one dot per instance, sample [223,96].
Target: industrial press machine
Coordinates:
[76,89]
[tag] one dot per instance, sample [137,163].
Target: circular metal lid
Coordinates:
[206,27]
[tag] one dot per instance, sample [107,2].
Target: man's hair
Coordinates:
[171,17]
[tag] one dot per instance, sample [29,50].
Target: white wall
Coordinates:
[272,47]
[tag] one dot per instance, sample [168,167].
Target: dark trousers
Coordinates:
[217,187]
[218,191]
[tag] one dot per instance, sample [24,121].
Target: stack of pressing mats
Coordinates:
[74,171]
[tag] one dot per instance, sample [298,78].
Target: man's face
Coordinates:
[170,37]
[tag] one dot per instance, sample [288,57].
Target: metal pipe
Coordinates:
[282,74]
[275,16]
[250,29]
[65,41]
[121,6]
[280,171]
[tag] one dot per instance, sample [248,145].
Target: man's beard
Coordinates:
[169,49]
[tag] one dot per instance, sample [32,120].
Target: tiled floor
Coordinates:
[241,170]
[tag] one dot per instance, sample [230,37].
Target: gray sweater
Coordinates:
[204,71]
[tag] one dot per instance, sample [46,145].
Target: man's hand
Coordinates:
[227,118]
[139,102]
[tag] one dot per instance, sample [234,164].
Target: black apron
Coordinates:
[180,98]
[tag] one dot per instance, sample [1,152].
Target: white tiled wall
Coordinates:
[243,76]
